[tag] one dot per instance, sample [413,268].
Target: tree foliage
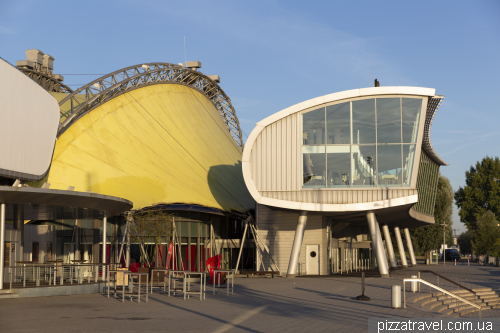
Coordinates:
[431,237]
[481,193]
[486,234]
[464,241]
[153,226]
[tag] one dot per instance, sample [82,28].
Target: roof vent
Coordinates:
[216,78]
[193,64]
[377,83]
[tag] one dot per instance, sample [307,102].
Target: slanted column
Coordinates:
[378,246]
[2,242]
[410,247]
[390,249]
[297,244]
[401,248]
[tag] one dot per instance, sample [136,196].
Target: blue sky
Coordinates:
[273,54]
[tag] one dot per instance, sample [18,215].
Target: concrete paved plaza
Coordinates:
[317,304]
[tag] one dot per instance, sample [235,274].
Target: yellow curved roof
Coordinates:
[163,143]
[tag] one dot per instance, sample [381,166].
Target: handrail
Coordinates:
[447,280]
[438,288]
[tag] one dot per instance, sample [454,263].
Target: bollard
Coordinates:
[363,297]
[396,297]
[413,284]
[455,262]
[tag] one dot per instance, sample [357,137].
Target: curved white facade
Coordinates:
[273,161]
[29,117]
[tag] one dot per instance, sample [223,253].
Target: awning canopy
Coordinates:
[47,204]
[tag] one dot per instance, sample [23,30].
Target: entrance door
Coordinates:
[312,259]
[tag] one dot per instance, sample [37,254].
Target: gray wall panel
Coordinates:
[277,230]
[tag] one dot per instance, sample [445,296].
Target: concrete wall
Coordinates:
[276,227]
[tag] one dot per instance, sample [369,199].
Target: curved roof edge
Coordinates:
[432,106]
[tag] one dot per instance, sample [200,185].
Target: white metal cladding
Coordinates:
[272,161]
[275,159]
[29,117]
[346,196]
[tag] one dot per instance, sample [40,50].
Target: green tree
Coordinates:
[486,234]
[464,241]
[153,226]
[481,193]
[431,237]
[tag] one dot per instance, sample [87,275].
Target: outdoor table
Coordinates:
[158,270]
[138,294]
[123,285]
[230,275]
[187,283]
[171,273]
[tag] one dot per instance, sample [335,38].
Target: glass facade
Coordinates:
[363,143]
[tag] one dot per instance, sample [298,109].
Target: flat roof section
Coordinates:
[48,204]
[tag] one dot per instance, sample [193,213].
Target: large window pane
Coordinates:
[408,158]
[388,120]
[389,165]
[363,121]
[411,119]
[339,166]
[313,124]
[314,166]
[338,123]
[364,165]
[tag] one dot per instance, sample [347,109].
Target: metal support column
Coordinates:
[127,252]
[401,248]
[241,246]
[378,246]
[77,240]
[390,249]
[19,224]
[104,242]
[2,242]
[297,244]
[410,247]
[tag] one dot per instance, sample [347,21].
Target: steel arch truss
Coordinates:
[47,82]
[114,84]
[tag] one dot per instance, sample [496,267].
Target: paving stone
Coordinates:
[258,305]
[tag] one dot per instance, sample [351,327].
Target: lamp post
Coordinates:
[444,240]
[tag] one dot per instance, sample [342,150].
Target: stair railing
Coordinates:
[437,288]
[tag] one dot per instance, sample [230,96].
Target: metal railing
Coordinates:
[37,275]
[444,278]
[439,289]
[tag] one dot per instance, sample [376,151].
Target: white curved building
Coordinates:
[326,171]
